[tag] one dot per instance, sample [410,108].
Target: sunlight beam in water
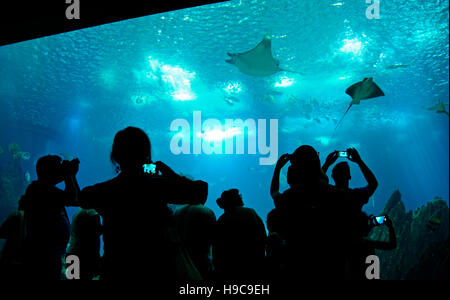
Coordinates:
[177,79]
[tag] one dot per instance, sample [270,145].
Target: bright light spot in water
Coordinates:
[183,96]
[352,46]
[177,79]
[233,88]
[154,64]
[337,4]
[217,134]
[344,77]
[284,82]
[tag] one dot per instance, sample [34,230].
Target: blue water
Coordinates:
[72,92]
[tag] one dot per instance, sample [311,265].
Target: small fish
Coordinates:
[140,99]
[229,101]
[13,147]
[67,156]
[27,176]
[269,98]
[397,66]
[434,224]
[20,155]
[435,221]
[233,99]
[439,108]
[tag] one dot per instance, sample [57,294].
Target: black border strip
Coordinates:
[25,20]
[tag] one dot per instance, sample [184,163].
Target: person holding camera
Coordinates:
[366,246]
[341,176]
[46,222]
[138,227]
[306,217]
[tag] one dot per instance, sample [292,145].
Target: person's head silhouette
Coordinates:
[230,199]
[131,149]
[48,169]
[341,174]
[305,166]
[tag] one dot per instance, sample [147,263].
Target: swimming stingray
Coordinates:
[257,61]
[362,90]
[439,107]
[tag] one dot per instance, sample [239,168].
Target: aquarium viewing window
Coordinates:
[280,118]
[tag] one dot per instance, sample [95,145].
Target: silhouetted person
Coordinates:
[309,212]
[12,231]
[366,246]
[85,242]
[196,224]
[341,176]
[239,245]
[138,244]
[275,247]
[47,223]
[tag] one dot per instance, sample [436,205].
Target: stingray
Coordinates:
[362,90]
[439,107]
[257,61]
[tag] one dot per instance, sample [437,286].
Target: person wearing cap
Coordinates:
[239,244]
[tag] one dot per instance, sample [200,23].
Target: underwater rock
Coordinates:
[422,251]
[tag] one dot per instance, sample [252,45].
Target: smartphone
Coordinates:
[149,168]
[380,220]
[342,153]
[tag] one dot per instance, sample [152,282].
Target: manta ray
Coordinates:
[257,61]
[439,107]
[362,90]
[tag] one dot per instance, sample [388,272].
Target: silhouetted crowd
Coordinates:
[315,230]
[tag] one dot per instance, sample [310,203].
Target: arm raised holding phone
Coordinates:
[275,185]
[372,182]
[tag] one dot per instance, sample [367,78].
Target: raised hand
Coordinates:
[353,155]
[282,161]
